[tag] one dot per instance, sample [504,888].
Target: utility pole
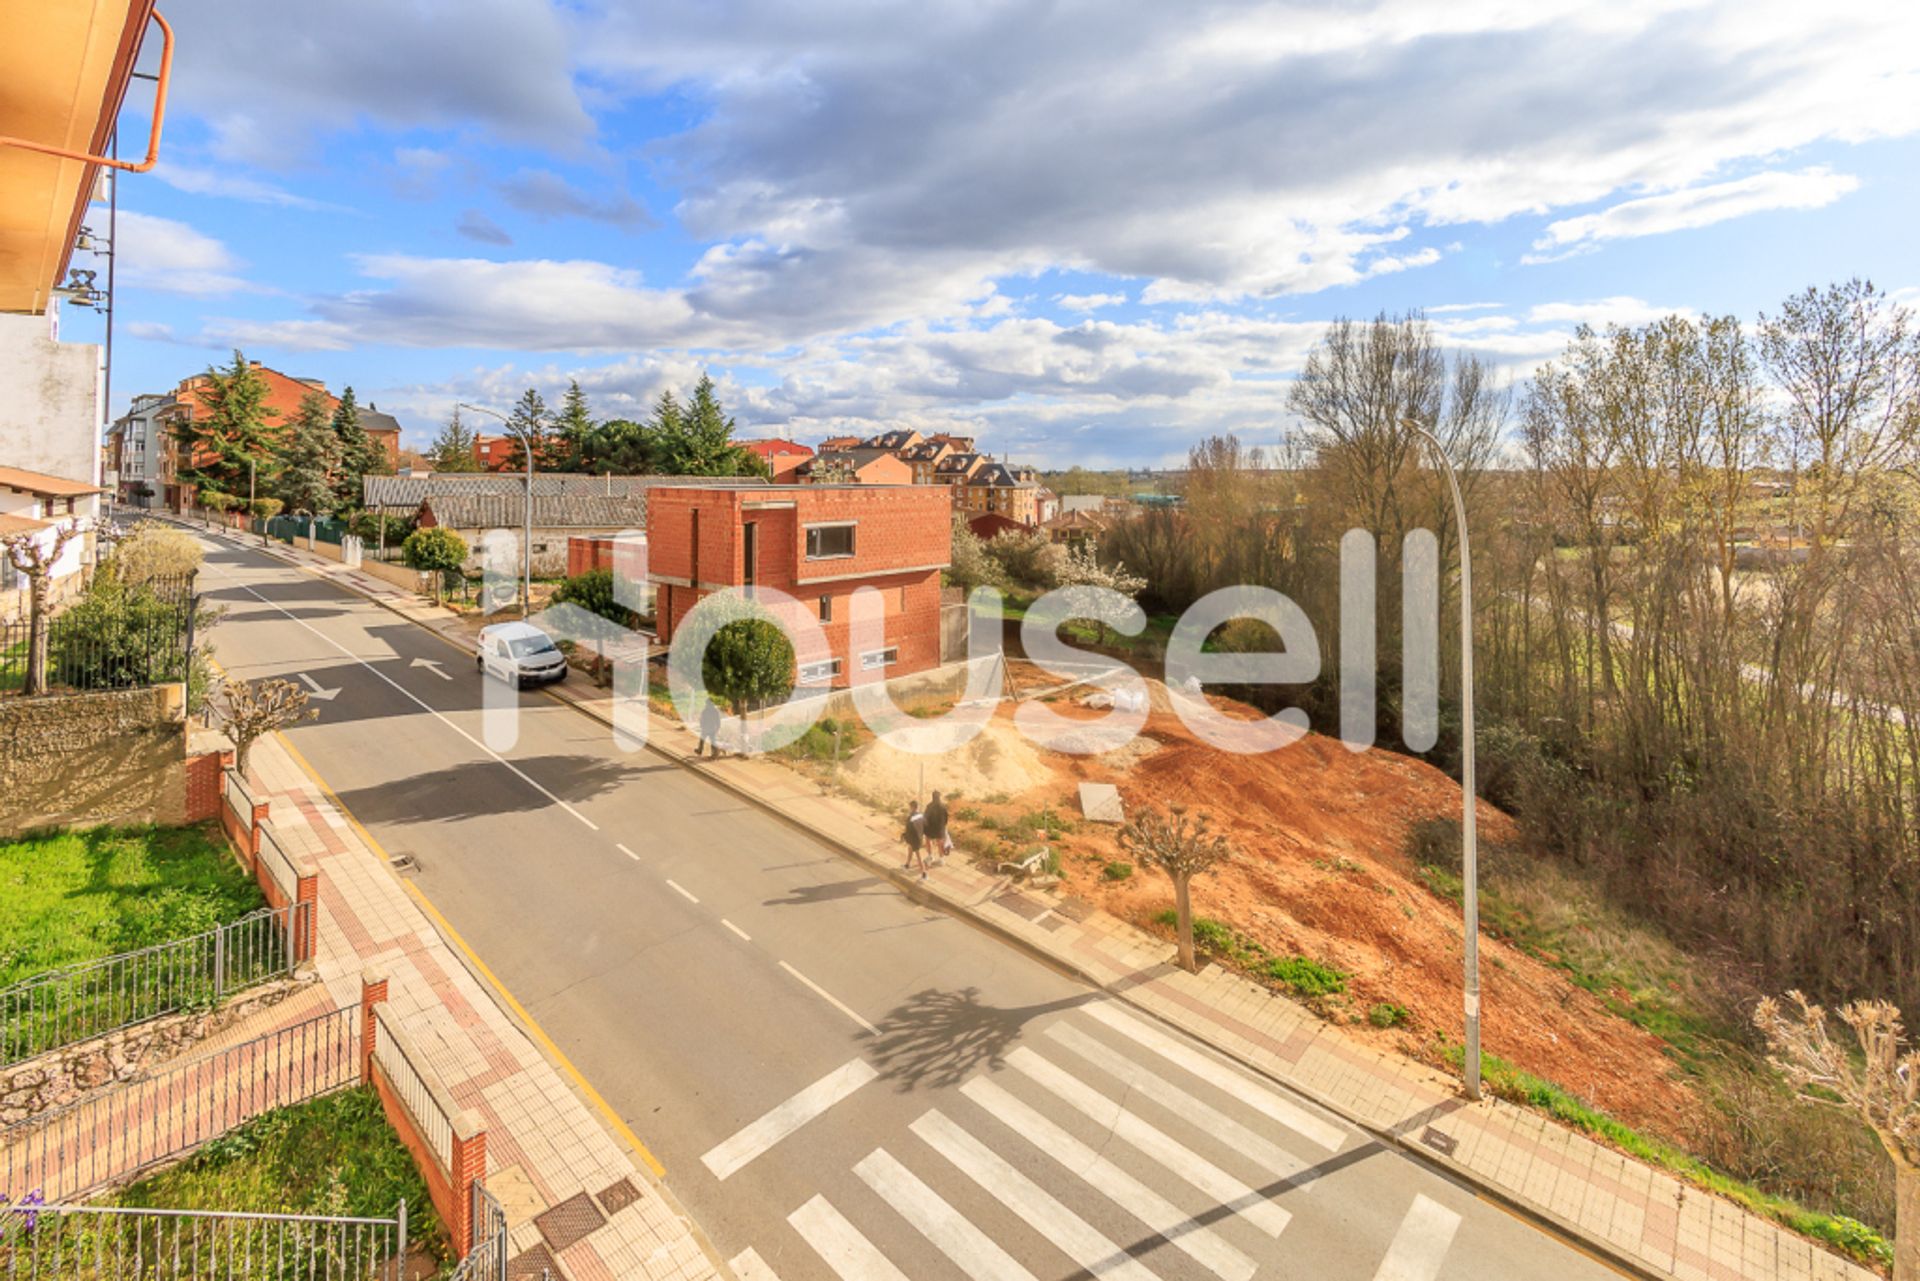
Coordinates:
[526,538]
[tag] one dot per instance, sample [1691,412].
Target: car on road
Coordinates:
[520,654]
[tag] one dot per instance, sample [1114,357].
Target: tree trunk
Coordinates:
[1183,910]
[241,748]
[1906,1221]
[36,677]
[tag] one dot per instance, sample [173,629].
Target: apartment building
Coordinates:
[818,544]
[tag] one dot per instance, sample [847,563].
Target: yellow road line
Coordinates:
[533,1027]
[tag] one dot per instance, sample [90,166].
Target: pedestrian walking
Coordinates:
[709,731]
[939,834]
[914,837]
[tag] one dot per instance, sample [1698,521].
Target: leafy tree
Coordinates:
[266,508]
[970,565]
[1028,560]
[452,449]
[593,592]
[229,430]
[1081,567]
[1877,1078]
[531,416]
[153,551]
[697,440]
[35,563]
[437,550]
[574,428]
[359,454]
[1183,848]
[215,501]
[380,528]
[311,457]
[248,709]
[618,446]
[748,664]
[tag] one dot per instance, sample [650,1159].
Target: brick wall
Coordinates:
[203,784]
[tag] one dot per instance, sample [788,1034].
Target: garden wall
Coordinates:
[110,756]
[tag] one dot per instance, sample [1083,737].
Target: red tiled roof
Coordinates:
[34,482]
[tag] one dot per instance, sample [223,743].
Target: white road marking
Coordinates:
[1421,1244]
[972,1251]
[409,694]
[851,1256]
[1203,1116]
[1081,1242]
[1176,1158]
[432,665]
[829,997]
[1131,1195]
[749,1266]
[750,1142]
[682,892]
[736,929]
[325,695]
[624,850]
[1215,1073]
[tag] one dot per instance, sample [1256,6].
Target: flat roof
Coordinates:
[36,482]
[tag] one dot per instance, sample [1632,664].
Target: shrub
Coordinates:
[1306,976]
[152,551]
[1045,820]
[1435,842]
[1387,1014]
[370,526]
[749,664]
[1117,871]
[266,508]
[437,550]
[593,592]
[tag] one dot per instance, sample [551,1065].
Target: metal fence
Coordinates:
[114,1243]
[120,640]
[113,1134]
[414,1083]
[60,1007]
[488,1259]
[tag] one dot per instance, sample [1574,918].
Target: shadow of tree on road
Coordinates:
[830,892]
[939,1039]
[485,787]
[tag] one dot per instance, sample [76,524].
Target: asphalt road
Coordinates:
[839,1082]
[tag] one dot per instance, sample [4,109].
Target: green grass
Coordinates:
[334,1155]
[1387,1014]
[1117,871]
[1306,976]
[71,897]
[1301,974]
[1516,1086]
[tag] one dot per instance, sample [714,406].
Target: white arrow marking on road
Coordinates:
[314,685]
[432,665]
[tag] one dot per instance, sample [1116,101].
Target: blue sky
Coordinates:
[1088,232]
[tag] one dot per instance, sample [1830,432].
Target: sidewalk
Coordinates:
[1637,1216]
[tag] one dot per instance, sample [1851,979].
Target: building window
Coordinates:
[750,555]
[879,658]
[827,542]
[826,609]
[819,673]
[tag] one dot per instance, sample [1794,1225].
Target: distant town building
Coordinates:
[861,465]
[782,457]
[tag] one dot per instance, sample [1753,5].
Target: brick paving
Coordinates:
[1638,1215]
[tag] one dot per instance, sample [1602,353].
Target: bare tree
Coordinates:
[1878,1077]
[35,561]
[249,709]
[1183,848]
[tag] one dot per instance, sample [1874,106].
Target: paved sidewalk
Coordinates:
[1638,1216]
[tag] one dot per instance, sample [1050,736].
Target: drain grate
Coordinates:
[569,1221]
[404,863]
[1441,1143]
[535,1263]
[619,1196]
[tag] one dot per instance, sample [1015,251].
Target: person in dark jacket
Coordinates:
[939,838]
[914,837]
[709,730]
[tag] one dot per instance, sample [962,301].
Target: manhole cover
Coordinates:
[1441,1143]
[619,1196]
[404,863]
[535,1263]
[572,1219]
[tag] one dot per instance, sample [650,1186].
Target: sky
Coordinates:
[1087,231]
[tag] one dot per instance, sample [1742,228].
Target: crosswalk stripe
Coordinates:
[726,1158]
[972,1251]
[1173,1156]
[1131,1195]
[1421,1244]
[749,1266]
[1081,1242]
[1215,1073]
[1205,1117]
[851,1256]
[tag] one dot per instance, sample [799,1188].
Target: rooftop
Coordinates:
[22,481]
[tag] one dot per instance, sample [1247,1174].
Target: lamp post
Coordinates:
[526,538]
[1469,844]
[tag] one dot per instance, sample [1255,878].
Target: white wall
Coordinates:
[49,400]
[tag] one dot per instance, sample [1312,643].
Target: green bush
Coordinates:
[1045,820]
[1306,976]
[1117,871]
[593,592]
[438,551]
[1387,1014]
[371,525]
[749,664]
[265,508]
[119,636]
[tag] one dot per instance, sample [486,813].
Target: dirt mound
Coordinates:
[1324,873]
[999,762]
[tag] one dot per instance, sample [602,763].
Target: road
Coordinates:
[839,1082]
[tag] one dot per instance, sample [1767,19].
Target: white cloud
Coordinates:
[1089,302]
[1601,312]
[235,186]
[1693,207]
[287,335]
[160,253]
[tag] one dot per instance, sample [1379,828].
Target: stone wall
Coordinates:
[112,756]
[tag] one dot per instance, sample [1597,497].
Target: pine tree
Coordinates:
[359,455]
[697,440]
[452,449]
[575,430]
[310,459]
[229,430]
[530,416]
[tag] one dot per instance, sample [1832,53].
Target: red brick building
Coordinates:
[780,456]
[818,544]
[493,453]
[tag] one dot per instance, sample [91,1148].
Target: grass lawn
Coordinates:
[71,897]
[333,1155]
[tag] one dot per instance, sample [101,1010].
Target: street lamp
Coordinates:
[526,540]
[1469,844]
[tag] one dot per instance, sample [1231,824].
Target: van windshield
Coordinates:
[528,646]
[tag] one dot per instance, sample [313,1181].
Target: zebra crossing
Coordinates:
[1079,1154]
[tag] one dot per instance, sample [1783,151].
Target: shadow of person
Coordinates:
[939,1039]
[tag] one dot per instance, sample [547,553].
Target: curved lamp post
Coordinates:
[1469,844]
[526,535]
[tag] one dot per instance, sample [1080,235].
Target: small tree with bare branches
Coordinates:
[249,709]
[1877,1077]
[34,561]
[1183,847]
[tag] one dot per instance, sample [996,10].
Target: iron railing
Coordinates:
[113,1243]
[487,1261]
[61,1007]
[112,1134]
[142,636]
[414,1083]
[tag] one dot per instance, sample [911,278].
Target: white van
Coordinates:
[520,654]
